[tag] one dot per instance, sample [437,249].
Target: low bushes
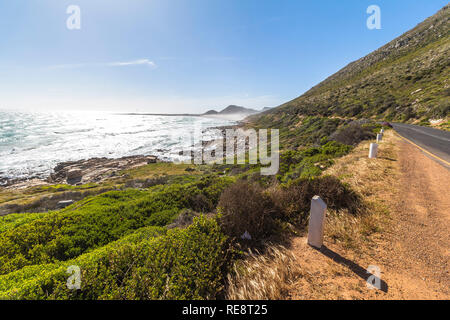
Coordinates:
[37,281]
[12,221]
[183,264]
[293,200]
[335,149]
[245,207]
[94,222]
[184,219]
[146,183]
[310,162]
[353,134]
[248,207]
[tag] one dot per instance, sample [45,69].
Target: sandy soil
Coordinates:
[421,237]
[412,250]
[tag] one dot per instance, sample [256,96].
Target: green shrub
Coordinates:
[183,264]
[310,162]
[335,149]
[184,219]
[353,134]
[12,221]
[293,200]
[38,281]
[95,222]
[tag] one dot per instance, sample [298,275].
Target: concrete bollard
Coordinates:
[379,137]
[373,150]
[316,222]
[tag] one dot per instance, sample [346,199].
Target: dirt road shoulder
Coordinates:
[405,233]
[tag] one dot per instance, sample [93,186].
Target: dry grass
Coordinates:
[364,175]
[263,276]
[374,180]
[7,195]
[301,272]
[352,241]
[159,169]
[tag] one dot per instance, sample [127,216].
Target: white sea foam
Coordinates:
[32,144]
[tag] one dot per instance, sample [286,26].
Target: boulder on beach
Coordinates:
[74,176]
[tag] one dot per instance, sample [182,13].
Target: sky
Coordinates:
[184,56]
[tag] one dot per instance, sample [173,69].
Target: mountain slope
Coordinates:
[236,109]
[405,80]
[231,112]
[232,109]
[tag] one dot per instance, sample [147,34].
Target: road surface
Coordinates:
[432,140]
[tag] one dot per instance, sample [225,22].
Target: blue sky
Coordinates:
[184,55]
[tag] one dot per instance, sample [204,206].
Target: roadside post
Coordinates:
[379,137]
[316,222]
[373,151]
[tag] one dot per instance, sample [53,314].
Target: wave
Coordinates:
[32,144]
[74,131]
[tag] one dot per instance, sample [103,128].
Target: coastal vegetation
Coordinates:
[175,236]
[169,231]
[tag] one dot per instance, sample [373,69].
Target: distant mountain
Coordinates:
[406,80]
[210,112]
[236,109]
[231,112]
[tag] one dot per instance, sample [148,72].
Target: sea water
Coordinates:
[32,143]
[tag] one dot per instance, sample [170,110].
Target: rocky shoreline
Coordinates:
[82,171]
[94,170]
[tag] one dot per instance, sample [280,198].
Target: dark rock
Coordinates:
[65,203]
[74,176]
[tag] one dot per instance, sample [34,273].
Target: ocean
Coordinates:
[32,143]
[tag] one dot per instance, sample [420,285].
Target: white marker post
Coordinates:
[316,222]
[373,151]
[382,131]
[379,137]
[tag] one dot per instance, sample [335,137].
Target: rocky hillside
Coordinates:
[406,80]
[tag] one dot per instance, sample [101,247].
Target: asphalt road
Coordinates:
[434,141]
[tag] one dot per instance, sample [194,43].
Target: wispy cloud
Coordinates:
[144,62]
[139,62]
